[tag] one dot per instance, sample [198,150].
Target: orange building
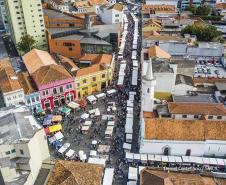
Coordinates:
[56,19]
[68,46]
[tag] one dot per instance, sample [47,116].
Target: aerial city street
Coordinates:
[112,92]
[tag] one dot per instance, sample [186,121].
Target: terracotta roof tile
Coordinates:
[81,4]
[75,173]
[197,108]
[27,82]
[35,59]
[152,21]
[159,7]
[98,2]
[116,6]
[99,61]
[220,6]
[49,74]
[157,177]
[157,52]
[184,130]
[8,79]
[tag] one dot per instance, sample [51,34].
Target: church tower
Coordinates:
[148,84]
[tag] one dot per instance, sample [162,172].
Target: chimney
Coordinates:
[87,22]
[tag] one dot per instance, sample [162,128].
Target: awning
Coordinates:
[108,176]
[91,98]
[112,91]
[73,105]
[85,116]
[56,118]
[64,148]
[53,128]
[59,136]
[101,95]
[65,110]
[70,153]
[133,173]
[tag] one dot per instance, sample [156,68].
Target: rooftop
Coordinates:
[17,124]
[76,173]
[94,41]
[183,79]
[184,130]
[199,98]
[26,82]
[116,6]
[161,67]
[98,62]
[154,177]
[71,37]
[8,79]
[98,2]
[157,52]
[35,59]
[58,15]
[197,108]
[49,74]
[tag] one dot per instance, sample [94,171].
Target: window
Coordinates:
[94,79]
[47,104]
[78,84]
[84,81]
[54,91]
[166,151]
[116,15]
[71,25]
[70,49]
[21,152]
[61,89]
[188,152]
[148,90]
[103,75]
[7,153]
[184,116]
[219,117]
[33,100]
[13,151]
[196,116]
[28,101]
[210,117]
[37,98]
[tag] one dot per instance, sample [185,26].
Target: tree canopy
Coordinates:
[26,43]
[203,32]
[203,9]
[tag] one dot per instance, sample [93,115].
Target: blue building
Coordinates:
[31,95]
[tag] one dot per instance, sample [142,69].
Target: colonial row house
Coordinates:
[53,82]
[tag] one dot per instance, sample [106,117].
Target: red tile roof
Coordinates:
[49,74]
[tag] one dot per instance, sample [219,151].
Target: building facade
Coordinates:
[11,90]
[26,18]
[112,14]
[95,77]
[181,138]
[4,26]
[24,148]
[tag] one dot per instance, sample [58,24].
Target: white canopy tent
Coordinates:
[108,176]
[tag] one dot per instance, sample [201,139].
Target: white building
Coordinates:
[195,111]
[3,17]
[162,2]
[163,72]
[112,14]
[23,146]
[61,5]
[180,138]
[12,92]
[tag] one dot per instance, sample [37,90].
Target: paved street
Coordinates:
[73,124]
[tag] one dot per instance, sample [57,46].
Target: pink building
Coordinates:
[54,83]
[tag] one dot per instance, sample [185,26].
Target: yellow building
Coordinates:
[151,25]
[92,73]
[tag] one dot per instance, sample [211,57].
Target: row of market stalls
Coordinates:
[92,99]
[149,159]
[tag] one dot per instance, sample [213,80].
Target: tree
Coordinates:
[203,10]
[26,43]
[203,32]
[192,9]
